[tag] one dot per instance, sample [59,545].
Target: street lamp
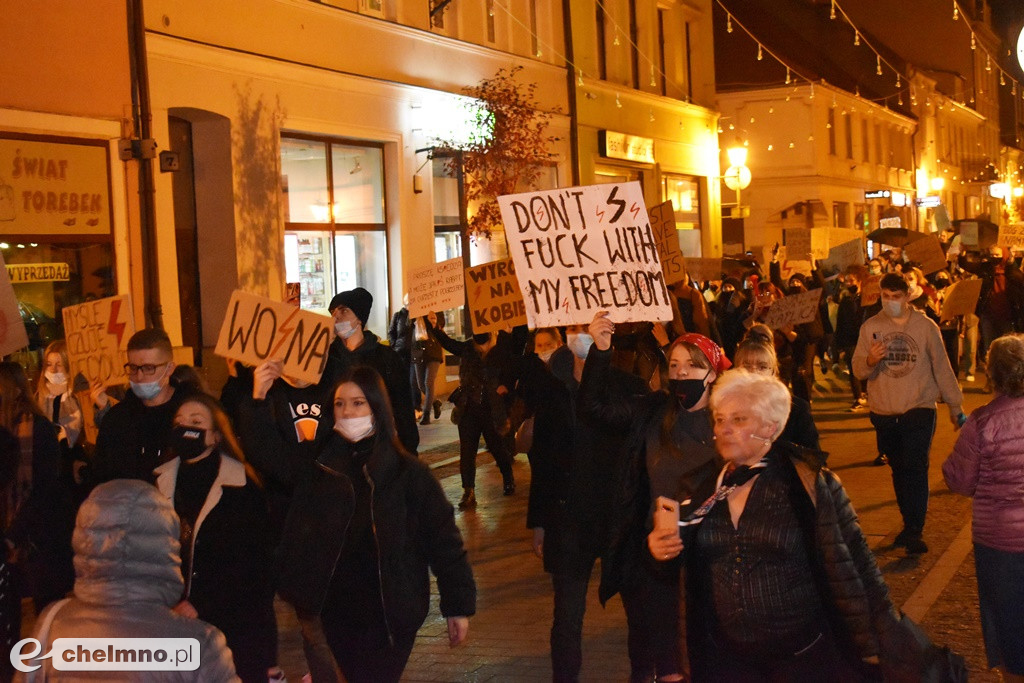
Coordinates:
[938,183]
[737,176]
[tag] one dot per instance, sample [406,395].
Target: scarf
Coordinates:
[729,479]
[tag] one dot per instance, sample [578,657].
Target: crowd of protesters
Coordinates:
[313,491]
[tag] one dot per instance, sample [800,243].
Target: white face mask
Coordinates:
[579,343]
[56,378]
[894,309]
[344,329]
[354,428]
[546,356]
[297,383]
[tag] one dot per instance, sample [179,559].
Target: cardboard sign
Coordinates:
[701,269]
[580,250]
[846,254]
[942,218]
[1010,236]
[961,299]
[12,330]
[97,334]
[789,267]
[495,301]
[806,243]
[928,252]
[969,233]
[436,287]
[793,310]
[257,329]
[663,222]
[870,291]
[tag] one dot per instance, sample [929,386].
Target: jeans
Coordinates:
[414,386]
[319,658]
[476,421]
[906,439]
[426,375]
[1001,598]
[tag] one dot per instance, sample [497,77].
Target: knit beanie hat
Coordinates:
[358,300]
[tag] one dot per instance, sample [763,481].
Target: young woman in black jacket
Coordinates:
[363,535]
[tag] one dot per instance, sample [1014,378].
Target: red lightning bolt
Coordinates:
[635,209]
[286,331]
[600,215]
[114,327]
[476,294]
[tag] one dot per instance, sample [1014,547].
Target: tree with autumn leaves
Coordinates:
[508,149]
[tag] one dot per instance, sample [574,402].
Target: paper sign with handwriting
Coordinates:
[437,287]
[961,299]
[870,290]
[580,250]
[806,243]
[663,222]
[701,269]
[1011,236]
[928,252]
[793,310]
[97,334]
[842,255]
[495,301]
[257,329]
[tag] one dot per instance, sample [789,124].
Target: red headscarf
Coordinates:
[712,351]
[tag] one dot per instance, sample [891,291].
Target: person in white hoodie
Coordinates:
[900,354]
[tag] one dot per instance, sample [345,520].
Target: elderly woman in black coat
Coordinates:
[362,536]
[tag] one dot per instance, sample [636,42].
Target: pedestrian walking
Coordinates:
[987,463]
[427,357]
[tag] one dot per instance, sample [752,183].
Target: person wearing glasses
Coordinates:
[133,434]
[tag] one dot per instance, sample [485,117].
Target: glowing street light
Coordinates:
[737,177]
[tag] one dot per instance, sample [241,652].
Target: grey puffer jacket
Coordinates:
[128,577]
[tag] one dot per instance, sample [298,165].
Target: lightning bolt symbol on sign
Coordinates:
[286,331]
[113,326]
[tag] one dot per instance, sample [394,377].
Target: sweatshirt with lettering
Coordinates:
[915,371]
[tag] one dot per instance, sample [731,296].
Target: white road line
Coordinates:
[936,580]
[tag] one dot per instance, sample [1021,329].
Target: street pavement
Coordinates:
[508,637]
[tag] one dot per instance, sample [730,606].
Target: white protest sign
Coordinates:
[846,254]
[969,233]
[495,300]
[1010,236]
[437,287]
[97,334]
[793,310]
[807,243]
[580,250]
[12,330]
[941,218]
[257,329]
[663,222]
[961,299]
[928,252]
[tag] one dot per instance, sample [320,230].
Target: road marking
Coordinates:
[936,580]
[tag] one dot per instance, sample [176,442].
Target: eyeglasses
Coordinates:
[147,370]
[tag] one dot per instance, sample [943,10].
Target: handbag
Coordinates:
[524,436]
[910,655]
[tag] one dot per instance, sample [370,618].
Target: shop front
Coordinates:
[56,235]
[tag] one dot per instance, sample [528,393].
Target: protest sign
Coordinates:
[701,269]
[663,222]
[580,250]
[97,334]
[806,244]
[790,267]
[257,329]
[840,256]
[942,218]
[12,329]
[961,299]
[928,252]
[870,291]
[793,310]
[969,233]
[891,222]
[436,287]
[495,301]
[1011,236]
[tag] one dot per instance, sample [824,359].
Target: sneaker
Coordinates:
[468,499]
[418,413]
[425,420]
[863,401]
[915,545]
[970,377]
[437,409]
[856,407]
[881,460]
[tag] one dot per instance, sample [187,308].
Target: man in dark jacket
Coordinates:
[355,345]
[849,318]
[133,434]
[400,339]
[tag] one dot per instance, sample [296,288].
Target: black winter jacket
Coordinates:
[392,369]
[414,530]
[400,333]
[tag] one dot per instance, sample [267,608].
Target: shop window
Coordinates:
[831,125]
[840,214]
[448,239]
[684,193]
[335,222]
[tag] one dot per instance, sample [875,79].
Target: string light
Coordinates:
[956,11]
[789,77]
[832,14]
[760,52]
[1002,81]
[878,65]
[728,23]
[899,84]
[616,41]
[988,62]
[974,43]
[856,38]
[654,81]
[579,77]
[618,102]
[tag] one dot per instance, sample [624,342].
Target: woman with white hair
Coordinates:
[774,518]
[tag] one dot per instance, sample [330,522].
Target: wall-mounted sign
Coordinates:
[877,194]
[628,147]
[892,222]
[54,188]
[927,202]
[21,273]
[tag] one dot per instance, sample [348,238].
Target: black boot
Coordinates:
[468,499]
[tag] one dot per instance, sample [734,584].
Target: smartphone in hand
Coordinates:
[666,514]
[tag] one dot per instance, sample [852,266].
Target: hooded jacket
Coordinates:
[128,578]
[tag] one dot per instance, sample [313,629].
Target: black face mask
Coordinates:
[687,391]
[852,289]
[941,283]
[187,442]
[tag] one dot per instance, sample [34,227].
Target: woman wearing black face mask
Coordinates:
[225,545]
[670,453]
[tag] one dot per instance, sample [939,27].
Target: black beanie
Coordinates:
[357,300]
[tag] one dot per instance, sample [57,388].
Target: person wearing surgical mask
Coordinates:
[673,452]
[225,540]
[901,355]
[56,396]
[133,435]
[773,557]
[364,534]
